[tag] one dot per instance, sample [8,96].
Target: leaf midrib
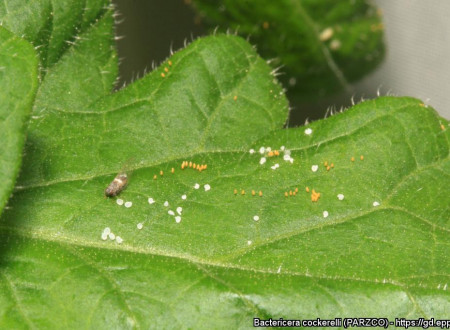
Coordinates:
[69,241]
[201,152]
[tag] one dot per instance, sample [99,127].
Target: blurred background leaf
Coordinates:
[322,46]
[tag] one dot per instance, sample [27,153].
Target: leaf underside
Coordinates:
[219,267]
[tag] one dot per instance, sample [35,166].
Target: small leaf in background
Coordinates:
[322,46]
[18,83]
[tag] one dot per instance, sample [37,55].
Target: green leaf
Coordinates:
[218,267]
[86,72]
[18,83]
[51,26]
[323,46]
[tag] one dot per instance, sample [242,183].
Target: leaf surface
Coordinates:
[18,83]
[51,26]
[218,267]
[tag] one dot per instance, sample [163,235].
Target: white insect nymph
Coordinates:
[326,34]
